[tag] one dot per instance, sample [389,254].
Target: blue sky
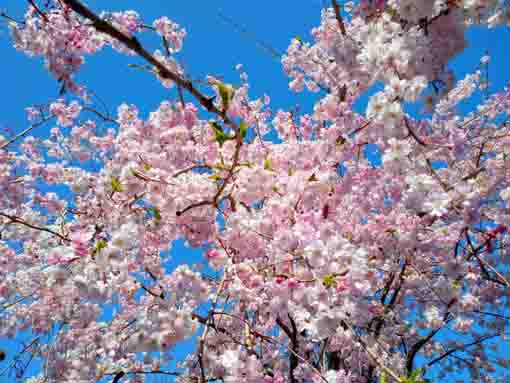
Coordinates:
[213,46]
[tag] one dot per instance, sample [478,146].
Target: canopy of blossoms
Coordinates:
[322,266]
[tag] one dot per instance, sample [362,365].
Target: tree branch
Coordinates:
[293,337]
[26,131]
[132,43]
[461,348]
[38,10]
[338,16]
[18,220]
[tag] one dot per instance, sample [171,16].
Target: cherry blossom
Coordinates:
[320,264]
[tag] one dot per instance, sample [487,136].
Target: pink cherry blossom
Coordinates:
[318,263]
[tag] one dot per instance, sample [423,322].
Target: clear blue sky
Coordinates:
[212,47]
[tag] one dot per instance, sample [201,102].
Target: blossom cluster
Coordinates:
[319,265]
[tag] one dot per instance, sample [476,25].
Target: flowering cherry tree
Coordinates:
[322,265]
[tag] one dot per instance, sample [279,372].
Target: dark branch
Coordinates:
[461,348]
[293,337]
[20,221]
[132,43]
[338,16]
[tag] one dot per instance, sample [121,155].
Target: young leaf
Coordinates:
[220,136]
[340,141]
[243,129]
[329,281]
[268,164]
[100,245]
[116,185]
[226,93]
[416,375]
[155,212]
[215,177]
[216,127]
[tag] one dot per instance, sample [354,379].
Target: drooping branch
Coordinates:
[103,116]
[243,30]
[461,348]
[20,221]
[25,132]
[132,43]
[338,16]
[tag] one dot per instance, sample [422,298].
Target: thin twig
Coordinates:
[500,276]
[461,348]
[413,134]
[193,167]
[366,124]
[26,131]
[272,51]
[100,115]
[192,206]
[14,219]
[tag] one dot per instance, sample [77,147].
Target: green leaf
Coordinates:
[100,245]
[220,136]
[243,129]
[116,185]
[226,93]
[329,281]
[268,164]
[215,177]
[155,212]
[216,127]
[382,378]
[136,174]
[312,178]
[415,376]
